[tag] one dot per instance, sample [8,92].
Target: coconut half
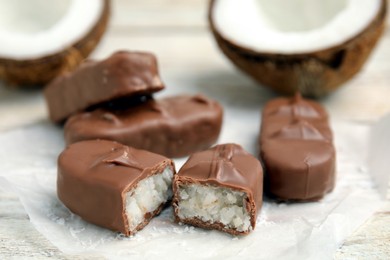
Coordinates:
[40,39]
[310,46]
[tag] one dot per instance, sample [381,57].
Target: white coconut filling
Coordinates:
[292,26]
[215,205]
[44,26]
[147,197]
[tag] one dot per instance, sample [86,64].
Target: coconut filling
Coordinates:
[214,205]
[149,194]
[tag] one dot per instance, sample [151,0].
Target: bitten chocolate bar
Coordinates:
[123,74]
[220,188]
[296,149]
[174,126]
[112,185]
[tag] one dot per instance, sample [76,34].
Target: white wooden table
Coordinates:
[177,32]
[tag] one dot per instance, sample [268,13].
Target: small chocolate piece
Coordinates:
[281,112]
[220,188]
[92,83]
[175,126]
[113,185]
[296,149]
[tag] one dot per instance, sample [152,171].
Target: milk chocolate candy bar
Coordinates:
[174,126]
[92,83]
[296,149]
[220,188]
[112,185]
[282,111]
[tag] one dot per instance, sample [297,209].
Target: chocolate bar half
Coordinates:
[112,185]
[220,188]
[296,149]
[123,74]
[174,126]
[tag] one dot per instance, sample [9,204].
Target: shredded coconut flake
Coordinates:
[214,204]
[149,194]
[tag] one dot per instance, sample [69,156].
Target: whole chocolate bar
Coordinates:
[174,126]
[296,149]
[112,185]
[220,188]
[123,74]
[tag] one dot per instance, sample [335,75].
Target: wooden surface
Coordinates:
[177,32]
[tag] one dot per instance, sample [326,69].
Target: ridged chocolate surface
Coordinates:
[93,177]
[296,149]
[122,74]
[226,165]
[174,126]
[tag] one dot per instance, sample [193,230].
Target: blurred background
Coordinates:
[177,32]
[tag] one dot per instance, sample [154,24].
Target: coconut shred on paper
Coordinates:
[301,230]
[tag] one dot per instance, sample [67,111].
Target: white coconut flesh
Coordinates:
[293,26]
[35,28]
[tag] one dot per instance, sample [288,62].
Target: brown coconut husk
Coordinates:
[37,72]
[313,74]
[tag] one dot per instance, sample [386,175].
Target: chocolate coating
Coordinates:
[174,126]
[93,177]
[92,83]
[226,165]
[296,149]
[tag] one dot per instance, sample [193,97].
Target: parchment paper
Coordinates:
[284,231]
[378,158]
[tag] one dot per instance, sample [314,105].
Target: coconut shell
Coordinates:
[37,72]
[313,74]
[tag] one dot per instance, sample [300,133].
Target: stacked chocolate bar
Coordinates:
[112,100]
